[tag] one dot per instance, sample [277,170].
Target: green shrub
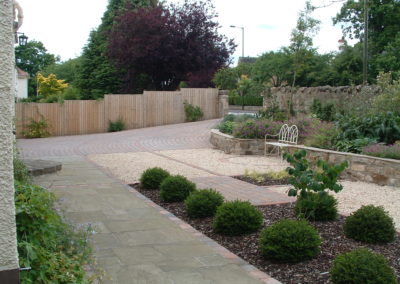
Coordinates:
[229,117]
[361,266]
[290,241]
[237,218]
[370,224]
[353,146]
[37,129]
[321,136]
[56,253]
[226,127]
[246,100]
[325,112]
[316,206]
[114,126]
[193,113]
[176,188]
[71,93]
[203,203]
[153,177]
[304,178]
[21,173]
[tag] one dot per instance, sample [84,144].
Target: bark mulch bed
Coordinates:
[312,271]
[268,181]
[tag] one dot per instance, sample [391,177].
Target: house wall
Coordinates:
[8,243]
[22,88]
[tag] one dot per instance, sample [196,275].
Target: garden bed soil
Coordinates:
[267,182]
[312,271]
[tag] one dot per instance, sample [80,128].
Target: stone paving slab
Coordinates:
[136,241]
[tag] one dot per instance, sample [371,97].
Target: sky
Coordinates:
[64,25]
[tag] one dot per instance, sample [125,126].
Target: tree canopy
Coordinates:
[159,47]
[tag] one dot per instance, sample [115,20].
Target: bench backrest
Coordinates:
[288,134]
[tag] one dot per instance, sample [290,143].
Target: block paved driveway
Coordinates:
[170,137]
[135,241]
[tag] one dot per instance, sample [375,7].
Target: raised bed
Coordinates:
[361,167]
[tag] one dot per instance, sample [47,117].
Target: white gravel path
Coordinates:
[129,166]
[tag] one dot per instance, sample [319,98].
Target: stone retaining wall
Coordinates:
[303,98]
[361,168]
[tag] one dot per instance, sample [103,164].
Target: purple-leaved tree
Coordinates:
[159,47]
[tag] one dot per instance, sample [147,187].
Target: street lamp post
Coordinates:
[365,51]
[232,26]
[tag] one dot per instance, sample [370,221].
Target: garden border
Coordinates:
[361,167]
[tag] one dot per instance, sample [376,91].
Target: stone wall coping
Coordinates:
[217,132]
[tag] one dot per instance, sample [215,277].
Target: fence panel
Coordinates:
[152,108]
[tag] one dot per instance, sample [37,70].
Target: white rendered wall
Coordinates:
[22,88]
[8,242]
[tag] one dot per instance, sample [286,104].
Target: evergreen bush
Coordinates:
[203,203]
[153,177]
[176,188]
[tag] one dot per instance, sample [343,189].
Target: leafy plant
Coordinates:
[278,175]
[316,206]
[321,135]
[56,253]
[353,146]
[256,129]
[21,173]
[383,151]
[193,113]
[237,218]
[176,188]
[50,85]
[226,127]
[115,126]
[254,175]
[361,266]
[290,241]
[246,100]
[384,127]
[325,112]
[153,177]
[37,129]
[273,113]
[303,178]
[370,224]
[203,203]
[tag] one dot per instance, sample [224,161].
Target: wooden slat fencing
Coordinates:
[152,108]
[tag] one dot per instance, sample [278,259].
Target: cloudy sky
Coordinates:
[63,26]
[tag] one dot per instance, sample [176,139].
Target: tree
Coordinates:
[157,48]
[383,30]
[32,58]
[301,43]
[97,75]
[66,70]
[227,78]
[347,65]
[273,68]
[50,86]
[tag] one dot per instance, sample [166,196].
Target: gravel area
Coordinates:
[129,166]
[219,162]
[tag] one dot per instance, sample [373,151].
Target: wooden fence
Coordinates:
[137,111]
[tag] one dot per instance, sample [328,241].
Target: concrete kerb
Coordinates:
[220,250]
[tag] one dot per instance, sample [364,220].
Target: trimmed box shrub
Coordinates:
[237,218]
[290,241]
[361,266]
[153,177]
[176,188]
[203,203]
[370,224]
[316,206]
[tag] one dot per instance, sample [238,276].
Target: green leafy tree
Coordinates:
[301,43]
[273,68]
[97,75]
[383,31]
[66,70]
[347,65]
[32,58]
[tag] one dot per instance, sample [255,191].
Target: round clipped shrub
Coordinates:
[236,218]
[290,241]
[361,266]
[370,224]
[203,203]
[316,206]
[176,188]
[153,177]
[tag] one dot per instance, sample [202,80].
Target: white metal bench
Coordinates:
[287,136]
